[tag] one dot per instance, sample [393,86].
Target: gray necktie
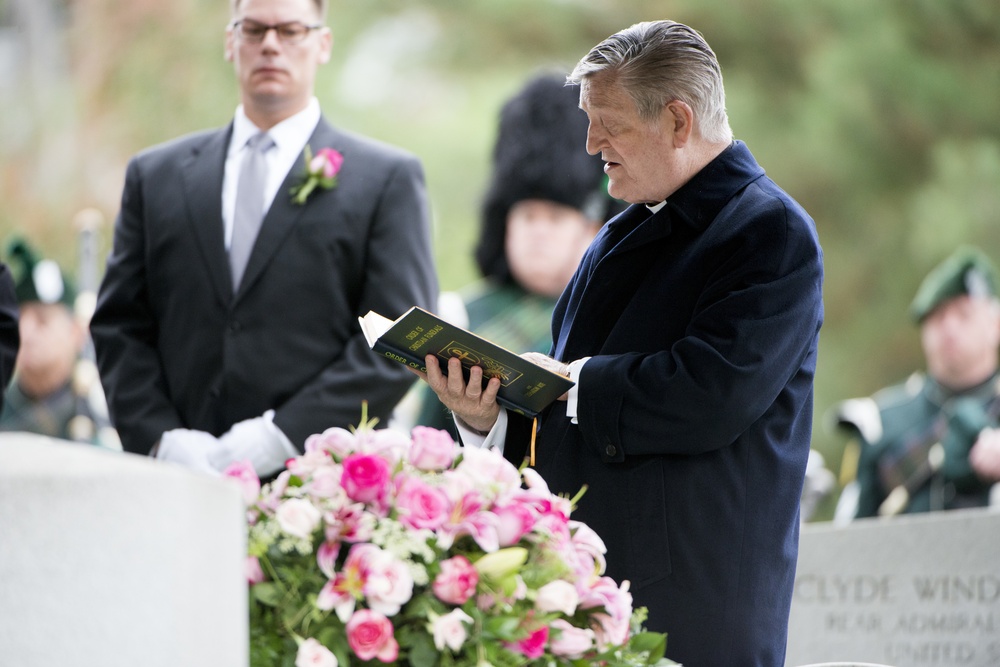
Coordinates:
[249,211]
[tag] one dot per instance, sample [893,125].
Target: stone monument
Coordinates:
[110,559]
[911,591]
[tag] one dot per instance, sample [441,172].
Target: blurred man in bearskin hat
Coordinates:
[546,200]
[931,443]
[55,392]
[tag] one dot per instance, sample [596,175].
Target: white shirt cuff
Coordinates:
[493,440]
[571,400]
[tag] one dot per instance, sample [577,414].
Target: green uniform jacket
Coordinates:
[897,446]
[63,414]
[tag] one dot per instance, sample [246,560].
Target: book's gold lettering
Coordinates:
[413,334]
[426,337]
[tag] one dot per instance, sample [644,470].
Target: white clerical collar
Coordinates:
[655,208]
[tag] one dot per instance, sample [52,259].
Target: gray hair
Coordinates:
[657,62]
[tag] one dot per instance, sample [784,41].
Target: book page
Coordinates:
[374,325]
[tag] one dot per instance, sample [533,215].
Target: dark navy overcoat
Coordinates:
[695,409]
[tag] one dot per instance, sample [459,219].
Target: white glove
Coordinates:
[188,448]
[257,440]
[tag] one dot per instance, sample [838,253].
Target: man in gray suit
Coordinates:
[226,324]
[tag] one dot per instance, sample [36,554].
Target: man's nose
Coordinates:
[595,140]
[271,41]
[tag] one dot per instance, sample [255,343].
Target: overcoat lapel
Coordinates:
[283,214]
[620,262]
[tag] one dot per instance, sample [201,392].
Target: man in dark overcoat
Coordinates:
[691,331]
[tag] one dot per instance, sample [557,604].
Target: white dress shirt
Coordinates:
[290,137]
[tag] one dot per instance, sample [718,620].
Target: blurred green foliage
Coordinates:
[881,118]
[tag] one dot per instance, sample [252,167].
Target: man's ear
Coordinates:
[228,47]
[326,45]
[680,121]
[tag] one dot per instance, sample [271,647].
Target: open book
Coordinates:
[525,387]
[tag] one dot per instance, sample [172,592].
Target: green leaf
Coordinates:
[647,641]
[422,652]
[267,593]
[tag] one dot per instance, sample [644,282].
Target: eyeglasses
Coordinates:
[290,32]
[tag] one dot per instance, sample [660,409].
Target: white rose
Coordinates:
[449,630]
[557,595]
[313,654]
[298,517]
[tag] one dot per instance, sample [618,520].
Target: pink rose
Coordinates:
[254,573]
[313,654]
[421,505]
[243,473]
[366,478]
[338,441]
[327,162]
[569,641]
[532,646]
[388,443]
[370,635]
[457,580]
[431,449]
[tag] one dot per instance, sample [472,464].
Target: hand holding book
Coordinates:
[525,386]
[549,364]
[475,402]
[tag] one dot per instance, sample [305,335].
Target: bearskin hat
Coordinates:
[540,153]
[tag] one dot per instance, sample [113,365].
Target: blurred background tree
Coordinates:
[882,119]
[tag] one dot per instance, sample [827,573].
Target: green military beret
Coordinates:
[37,279]
[967,271]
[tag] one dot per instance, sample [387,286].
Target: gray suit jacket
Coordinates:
[177,348]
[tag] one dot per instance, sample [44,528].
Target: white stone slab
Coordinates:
[912,591]
[111,559]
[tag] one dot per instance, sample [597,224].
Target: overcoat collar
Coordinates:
[608,275]
[698,202]
[695,204]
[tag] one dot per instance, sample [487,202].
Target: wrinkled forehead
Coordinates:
[601,91]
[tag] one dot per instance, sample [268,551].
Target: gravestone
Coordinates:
[111,559]
[911,591]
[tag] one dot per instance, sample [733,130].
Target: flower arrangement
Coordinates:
[373,547]
[320,172]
